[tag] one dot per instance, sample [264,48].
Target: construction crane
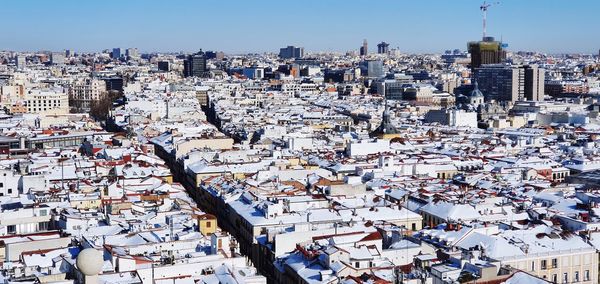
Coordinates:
[484,7]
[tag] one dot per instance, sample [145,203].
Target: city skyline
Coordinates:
[309,142]
[242,27]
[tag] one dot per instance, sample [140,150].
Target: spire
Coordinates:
[386,126]
[385,122]
[476,92]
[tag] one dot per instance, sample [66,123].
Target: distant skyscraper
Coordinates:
[254,72]
[364,49]
[57,58]
[114,83]
[372,68]
[291,52]
[487,51]
[116,53]
[535,78]
[131,53]
[195,65]
[68,53]
[20,61]
[391,89]
[383,47]
[164,66]
[501,82]
[210,54]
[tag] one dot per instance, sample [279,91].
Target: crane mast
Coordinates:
[484,7]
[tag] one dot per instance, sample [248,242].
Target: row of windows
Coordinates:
[444,175]
[44,104]
[36,109]
[42,226]
[44,101]
[544,264]
[559,175]
[357,264]
[565,277]
[9,190]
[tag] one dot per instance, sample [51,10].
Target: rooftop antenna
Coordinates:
[484,7]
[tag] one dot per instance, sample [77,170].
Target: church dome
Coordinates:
[476,92]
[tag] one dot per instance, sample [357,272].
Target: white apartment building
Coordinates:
[54,101]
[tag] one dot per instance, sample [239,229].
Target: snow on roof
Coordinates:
[46,259]
[449,211]
[309,271]
[524,278]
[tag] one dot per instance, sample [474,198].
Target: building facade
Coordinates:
[47,102]
[364,49]
[499,82]
[57,58]
[487,51]
[383,48]
[195,65]
[83,92]
[291,52]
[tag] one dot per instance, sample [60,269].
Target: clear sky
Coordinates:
[240,26]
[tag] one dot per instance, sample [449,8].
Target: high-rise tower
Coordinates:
[195,65]
[383,47]
[487,51]
[364,49]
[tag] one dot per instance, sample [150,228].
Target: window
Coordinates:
[565,278]
[43,212]
[208,224]
[544,267]
[554,278]
[357,264]
[9,190]
[576,277]
[414,226]
[43,226]
[554,262]
[533,266]
[586,275]
[11,229]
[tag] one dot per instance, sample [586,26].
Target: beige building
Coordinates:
[554,257]
[47,102]
[183,146]
[559,266]
[83,92]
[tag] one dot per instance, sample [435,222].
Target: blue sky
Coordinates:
[236,26]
